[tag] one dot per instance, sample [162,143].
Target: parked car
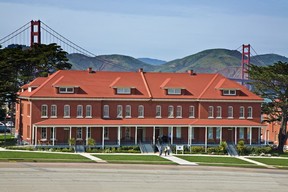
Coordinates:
[1,123]
[4,128]
[9,124]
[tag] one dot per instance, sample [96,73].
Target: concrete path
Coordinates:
[255,162]
[93,158]
[178,160]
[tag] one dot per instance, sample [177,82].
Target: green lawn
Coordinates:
[41,156]
[140,159]
[271,161]
[208,160]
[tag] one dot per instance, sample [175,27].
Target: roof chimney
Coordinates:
[140,70]
[89,70]
[191,72]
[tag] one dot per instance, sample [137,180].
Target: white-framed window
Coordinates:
[66,89]
[44,111]
[119,111]
[158,111]
[123,90]
[229,92]
[191,111]
[79,133]
[179,111]
[230,112]
[241,133]
[219,112]
[210,112]
[79,111]
[218,132]
[66,111]
[249,113]
[248,133]
[242,113]
[128,111]
[170,111]
[210,133]
[43,133]
[127,133]
[178,132]
[106,111]
[106,133]
[88,111]
[53,111]
[52,133]
[140,111]
[174,91]
[192,133]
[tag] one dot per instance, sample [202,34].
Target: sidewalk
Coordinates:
[255,162]
[178,160]
[93,158]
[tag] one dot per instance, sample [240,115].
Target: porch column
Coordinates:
[70,133]
[136,135]
[265,137]
[103,137]
[53,136]
[119,129]
[153,135]
[87,136]
[189,136]
[172,135]
[235,136]
[221,134]
[250,135]
[268,134]
[205,139]
[35,136]
[259,135]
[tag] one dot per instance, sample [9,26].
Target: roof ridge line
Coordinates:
[205,89]
[146,84]
[48,79]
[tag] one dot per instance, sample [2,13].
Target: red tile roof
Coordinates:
[148,84]
[150,122]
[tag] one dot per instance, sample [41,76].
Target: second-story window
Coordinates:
[66,89]
[44,111]
[128,111]
[241,113]
[179,112]
[191,111]
[66,111]
[79,111]
[210,112]
[53,111]
[88,111]
[158,111]
[170,111]
[250,113]
[123,90]
[140,111]
[230,112]
[119,111]
[219,112]
[106,111]
[174,91]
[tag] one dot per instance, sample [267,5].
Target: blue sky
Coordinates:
[162,29]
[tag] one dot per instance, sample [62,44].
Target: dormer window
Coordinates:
[66,89]
[124,91]
[174,91]
[229,92]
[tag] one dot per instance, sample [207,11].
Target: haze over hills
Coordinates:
[224,61]
[152,61]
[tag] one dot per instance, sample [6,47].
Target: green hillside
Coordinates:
[108,63]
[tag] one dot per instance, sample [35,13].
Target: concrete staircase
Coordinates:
[146,148]
[231,149]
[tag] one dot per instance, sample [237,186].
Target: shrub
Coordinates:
[197,149]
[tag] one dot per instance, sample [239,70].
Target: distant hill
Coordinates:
[152,61]
[108,63]
[223,61]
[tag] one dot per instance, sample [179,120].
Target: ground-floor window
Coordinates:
[210,132]
[241,133]
[106,133]
[127,133]
[218,132]
[43,133]
[52,133]
[79,133]
[178,132]
[89,132]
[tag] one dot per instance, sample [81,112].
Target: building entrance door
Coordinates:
[140,135]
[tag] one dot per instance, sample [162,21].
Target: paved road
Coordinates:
[74,177]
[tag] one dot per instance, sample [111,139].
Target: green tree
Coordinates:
[19,65]
[271,82]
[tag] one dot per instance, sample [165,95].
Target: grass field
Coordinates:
[137,159]
[272,161]
[41,156]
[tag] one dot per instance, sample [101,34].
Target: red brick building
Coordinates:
[121,108]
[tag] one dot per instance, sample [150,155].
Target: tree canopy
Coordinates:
[20,65]
[271,83]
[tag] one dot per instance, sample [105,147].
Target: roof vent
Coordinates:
[140,70]
[89,70]
[191,72]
